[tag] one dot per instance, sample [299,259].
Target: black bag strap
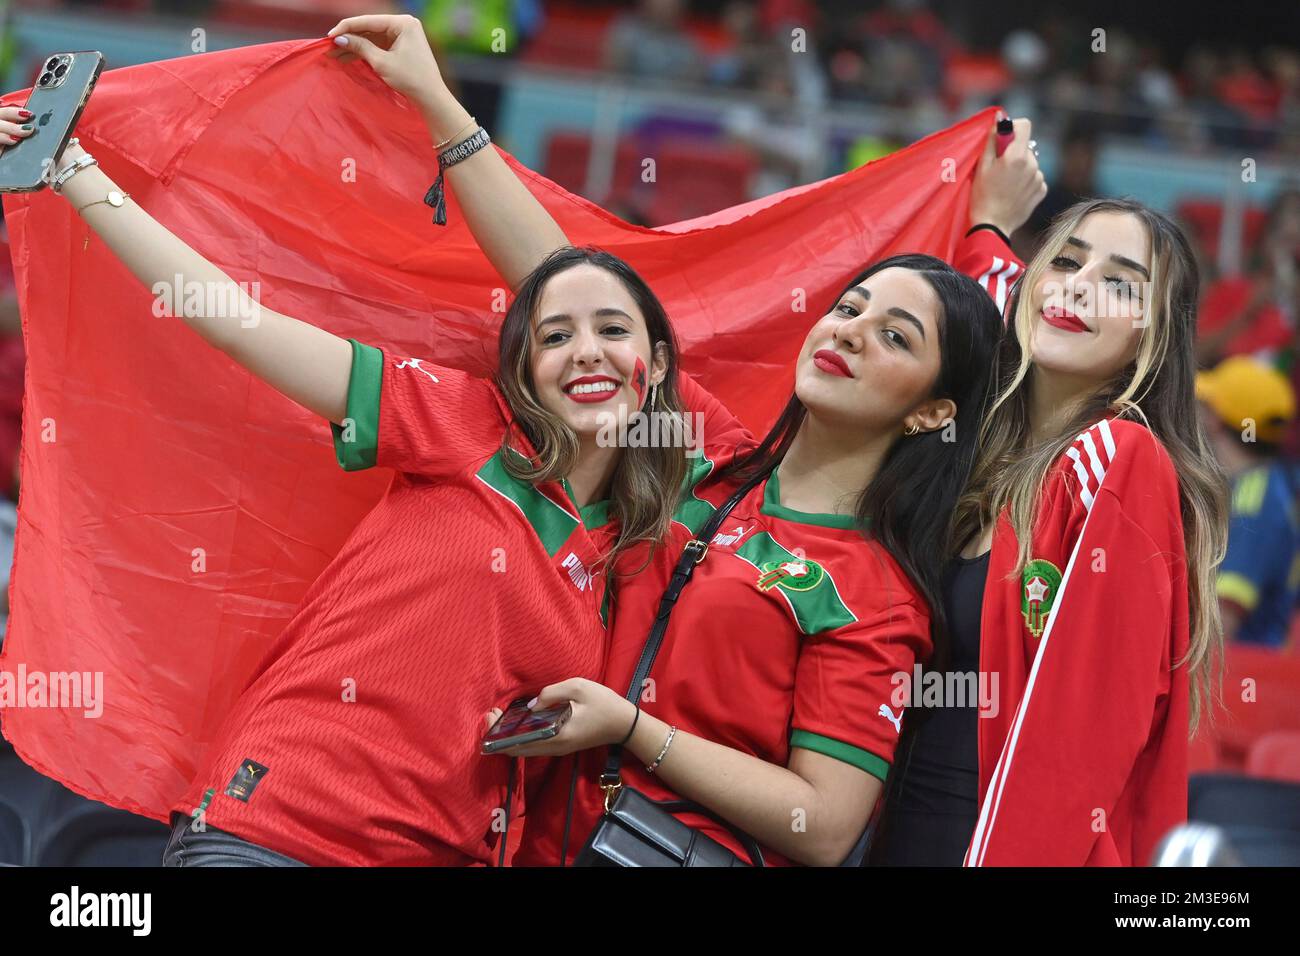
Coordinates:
[692,555]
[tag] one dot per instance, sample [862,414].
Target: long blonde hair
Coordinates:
[1157,388]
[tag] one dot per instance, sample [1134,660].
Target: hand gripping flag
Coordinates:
[175,509]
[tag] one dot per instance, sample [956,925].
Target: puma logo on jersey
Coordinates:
[730,537]
[578,572]
[415,364]
[888,714]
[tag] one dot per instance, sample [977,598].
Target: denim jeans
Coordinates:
[213,847]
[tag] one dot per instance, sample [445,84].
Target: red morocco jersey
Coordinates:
[356,741]
[981,254]
[1085,762]
[788,635]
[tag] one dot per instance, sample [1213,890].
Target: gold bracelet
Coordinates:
[452,138]
[114,199]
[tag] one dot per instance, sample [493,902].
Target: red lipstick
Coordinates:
[587,397]
[831,363]
[1064,319]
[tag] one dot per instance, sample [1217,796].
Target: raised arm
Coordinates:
[1004,193]
[309,365]
[511,227]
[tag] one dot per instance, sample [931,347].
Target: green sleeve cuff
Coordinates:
[356,441]
[856,756]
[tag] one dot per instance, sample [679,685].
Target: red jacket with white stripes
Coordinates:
[987,259]
[1085,761]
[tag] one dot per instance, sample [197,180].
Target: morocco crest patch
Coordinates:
[801,574]
[1041,581]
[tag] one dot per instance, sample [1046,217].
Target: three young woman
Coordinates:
[805,622]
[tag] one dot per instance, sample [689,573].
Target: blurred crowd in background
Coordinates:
[741,98]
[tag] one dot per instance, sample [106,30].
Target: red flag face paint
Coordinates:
[639,381]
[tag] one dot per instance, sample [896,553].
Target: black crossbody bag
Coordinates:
[638,831]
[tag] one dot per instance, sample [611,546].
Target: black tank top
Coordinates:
[934,802]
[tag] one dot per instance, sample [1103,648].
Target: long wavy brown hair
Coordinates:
[1157,388]
[647,480]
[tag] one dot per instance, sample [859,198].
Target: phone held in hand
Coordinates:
[519,725]
[60,93]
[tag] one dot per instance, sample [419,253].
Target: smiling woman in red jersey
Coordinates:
[480,574]
[1090,533]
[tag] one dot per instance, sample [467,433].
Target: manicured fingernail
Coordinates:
[532,703]
[26,127]
[26,114]
[341,41]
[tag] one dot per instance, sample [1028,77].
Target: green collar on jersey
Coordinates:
[772,506]
[593,515]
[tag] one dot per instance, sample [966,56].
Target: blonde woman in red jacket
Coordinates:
[1084,592]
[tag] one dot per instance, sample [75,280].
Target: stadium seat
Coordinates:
[92,834]
[1205,218]
[696,179]
[971,75]
[1260,818]
[1275,756]
[573,38]
[1202,753]
[567,155]
[62,828]
[1274,702]
[15,839]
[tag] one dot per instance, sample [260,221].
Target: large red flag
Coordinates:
[174,509]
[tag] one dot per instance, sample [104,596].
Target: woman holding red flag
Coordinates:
[480,572]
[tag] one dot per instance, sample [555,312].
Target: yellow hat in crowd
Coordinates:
[1240,388]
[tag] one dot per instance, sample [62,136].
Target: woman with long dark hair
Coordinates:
[1089,536]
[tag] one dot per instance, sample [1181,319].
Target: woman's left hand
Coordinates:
[1007,188]
[600,717]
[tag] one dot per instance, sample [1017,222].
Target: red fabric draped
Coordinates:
[174,509]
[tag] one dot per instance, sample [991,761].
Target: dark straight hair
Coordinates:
[907,506]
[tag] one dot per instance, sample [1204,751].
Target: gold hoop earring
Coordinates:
[912,429]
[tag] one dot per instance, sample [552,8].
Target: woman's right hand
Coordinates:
[397,50]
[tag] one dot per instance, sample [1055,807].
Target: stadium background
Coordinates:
[1198,115]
